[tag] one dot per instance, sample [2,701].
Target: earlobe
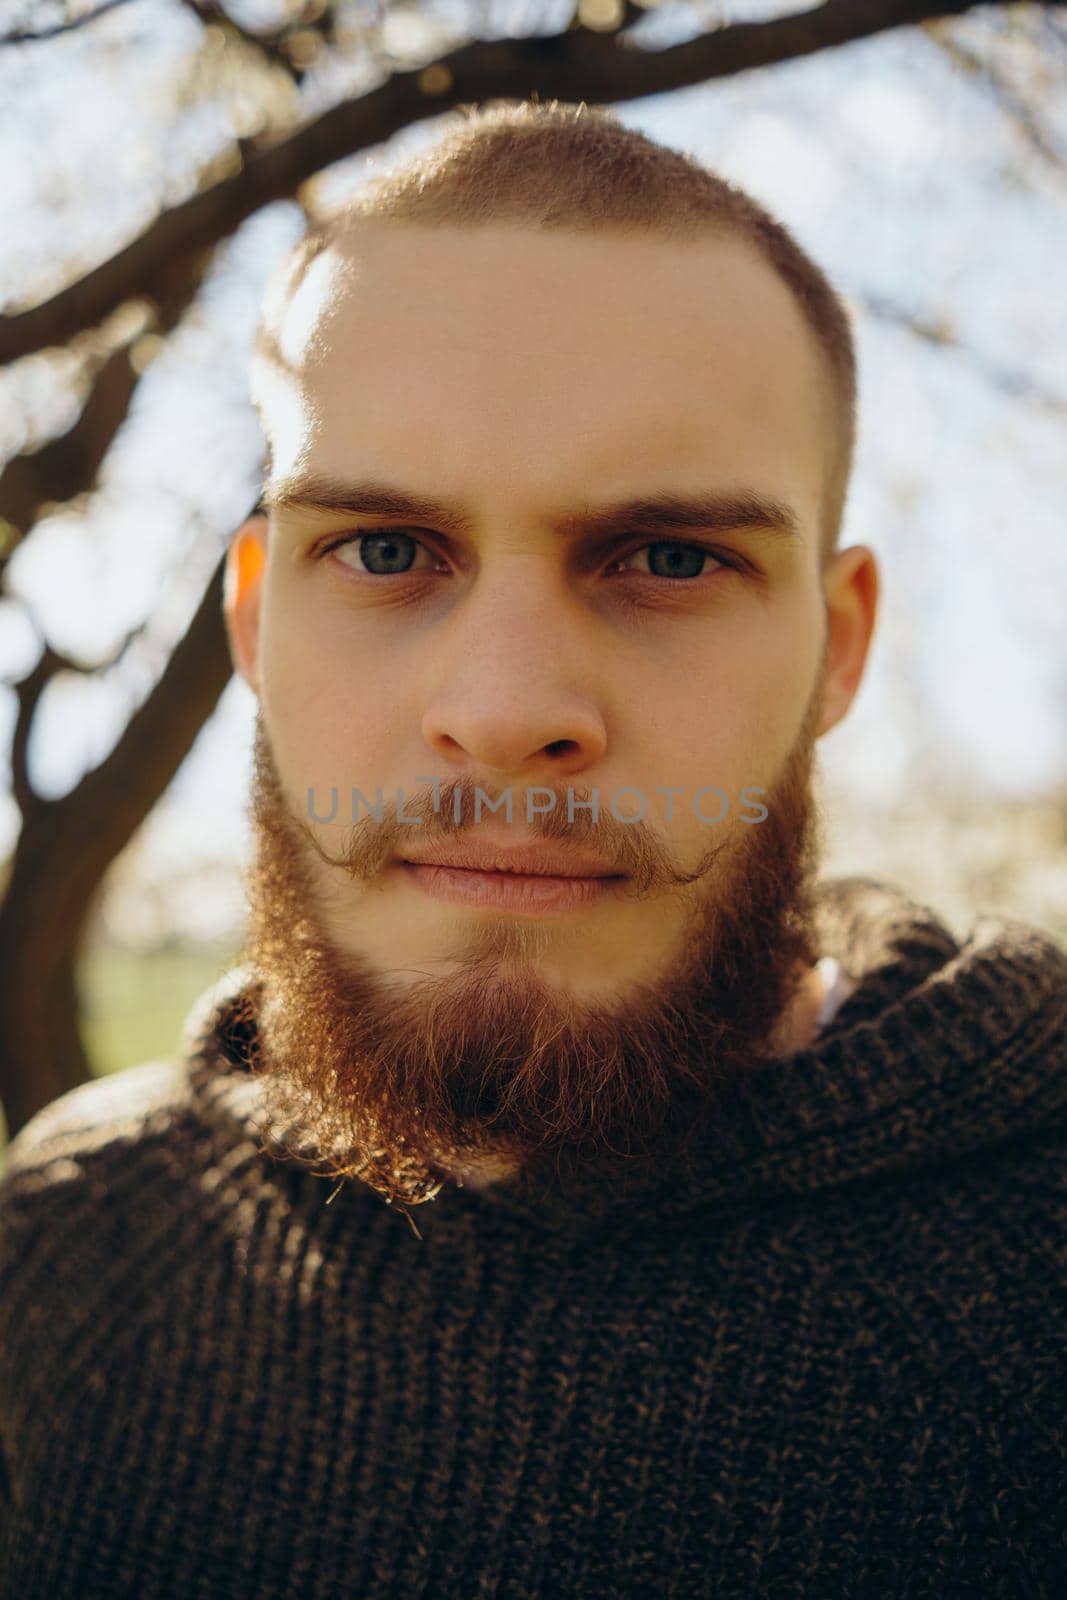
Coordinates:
[246,561]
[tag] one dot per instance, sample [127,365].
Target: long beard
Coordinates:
[403,1084]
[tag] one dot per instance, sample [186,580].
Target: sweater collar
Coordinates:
[943,1049]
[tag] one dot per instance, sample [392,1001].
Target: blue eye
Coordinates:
[383,553]
[670,559]
[676,560]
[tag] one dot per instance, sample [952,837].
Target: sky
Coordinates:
[898,174]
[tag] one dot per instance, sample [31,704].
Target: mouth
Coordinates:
[519,858]
[510,889]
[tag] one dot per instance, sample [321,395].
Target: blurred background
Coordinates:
[158,157]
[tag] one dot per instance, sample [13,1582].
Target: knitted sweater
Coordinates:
[834,1365]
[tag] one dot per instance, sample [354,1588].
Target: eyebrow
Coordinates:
[744,509]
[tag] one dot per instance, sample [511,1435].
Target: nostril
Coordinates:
[560,746]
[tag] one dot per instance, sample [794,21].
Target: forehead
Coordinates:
[537,365]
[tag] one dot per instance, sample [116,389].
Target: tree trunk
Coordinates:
[41,921]
[62,856]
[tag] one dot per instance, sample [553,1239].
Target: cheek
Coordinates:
[330,703]
[731,720]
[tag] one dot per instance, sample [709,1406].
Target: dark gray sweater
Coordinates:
[836,1366]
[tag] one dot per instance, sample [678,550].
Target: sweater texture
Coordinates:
[833,1366]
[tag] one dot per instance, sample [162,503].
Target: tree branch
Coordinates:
[1008,380]
[1010,102]
[111,801]
[574,65]
[68,465]
[23,36]
[28,692]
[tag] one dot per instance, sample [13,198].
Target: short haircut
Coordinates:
[566,167]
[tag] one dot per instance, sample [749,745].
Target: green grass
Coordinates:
[135,1005]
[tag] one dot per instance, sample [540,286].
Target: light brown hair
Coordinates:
[577,169]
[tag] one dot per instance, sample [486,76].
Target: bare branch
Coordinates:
[68,465]
[1008,380]
[113,799]
[575,65]
[23,36]
[28,692]
[1012,104]
[109,803]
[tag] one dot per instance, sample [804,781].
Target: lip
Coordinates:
[526,893]
[529,860]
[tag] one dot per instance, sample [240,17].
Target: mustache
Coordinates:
[633,849]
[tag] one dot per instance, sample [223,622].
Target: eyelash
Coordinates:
[684,544]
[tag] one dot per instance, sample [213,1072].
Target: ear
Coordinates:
[246,561]
[850,594]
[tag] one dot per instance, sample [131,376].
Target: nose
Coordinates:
[513,684]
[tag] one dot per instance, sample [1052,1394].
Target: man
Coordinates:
[730,1258]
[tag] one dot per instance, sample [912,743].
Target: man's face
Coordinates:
[523,383]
